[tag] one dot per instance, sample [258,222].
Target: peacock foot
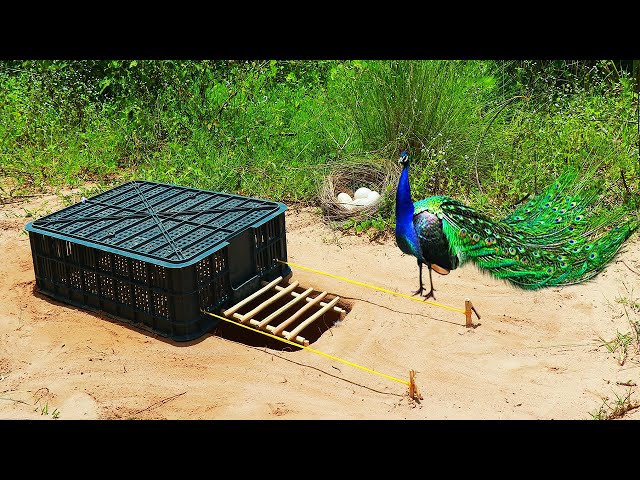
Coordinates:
[419,291]
[430,295]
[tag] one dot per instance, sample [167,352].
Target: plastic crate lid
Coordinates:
[163,224]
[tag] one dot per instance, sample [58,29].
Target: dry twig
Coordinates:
[160,403]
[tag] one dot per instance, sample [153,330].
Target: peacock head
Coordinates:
[404,159]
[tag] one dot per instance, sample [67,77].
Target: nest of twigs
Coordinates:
[348,176]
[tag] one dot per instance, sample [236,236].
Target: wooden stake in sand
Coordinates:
[468,308]
[414,394]
[467,312]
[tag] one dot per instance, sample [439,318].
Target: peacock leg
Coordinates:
[421,289]
[430,294]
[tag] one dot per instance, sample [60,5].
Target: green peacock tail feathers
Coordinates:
[563,236]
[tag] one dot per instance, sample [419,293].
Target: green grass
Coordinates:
[625,347]
[631,301]
[487,132]
[617,408]
[621,344]
[45,411]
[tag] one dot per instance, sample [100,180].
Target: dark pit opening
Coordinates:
[250,335]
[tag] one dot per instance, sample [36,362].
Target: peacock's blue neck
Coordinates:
[406,236]
[404,203]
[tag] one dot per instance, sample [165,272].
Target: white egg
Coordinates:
[361,193]
[373,197]
[370,199]
[344,199]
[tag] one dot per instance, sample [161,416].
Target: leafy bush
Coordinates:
[487,132]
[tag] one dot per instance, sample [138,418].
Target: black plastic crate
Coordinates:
[155,255]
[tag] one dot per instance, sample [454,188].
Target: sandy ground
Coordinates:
[531,355]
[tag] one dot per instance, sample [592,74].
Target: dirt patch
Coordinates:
[532,355]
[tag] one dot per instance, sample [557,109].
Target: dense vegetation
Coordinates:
[488,132]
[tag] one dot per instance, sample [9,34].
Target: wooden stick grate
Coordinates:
[313,306]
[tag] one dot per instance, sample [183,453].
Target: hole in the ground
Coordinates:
[250,335]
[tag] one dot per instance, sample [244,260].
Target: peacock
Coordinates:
[552,240]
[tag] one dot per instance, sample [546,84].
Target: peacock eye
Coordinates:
[512,250]
[463,232]
[578,218]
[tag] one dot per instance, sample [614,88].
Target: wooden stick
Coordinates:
[298,339]
[267,320]
[312,318]
[247,316]
[341,311]
[414,394]
[230,311]
[467,312]
[290,320]
[295,300]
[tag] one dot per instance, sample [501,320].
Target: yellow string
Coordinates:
[307,348]
[373,287]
